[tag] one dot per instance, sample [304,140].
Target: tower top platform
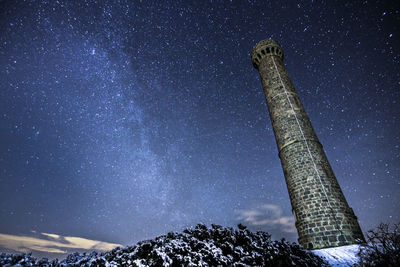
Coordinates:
[264,48]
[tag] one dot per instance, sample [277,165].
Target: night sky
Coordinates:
[124,120]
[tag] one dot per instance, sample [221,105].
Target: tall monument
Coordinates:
[323,217]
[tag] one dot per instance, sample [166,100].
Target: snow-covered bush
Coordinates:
[17,259]
[382,247]
[198,246]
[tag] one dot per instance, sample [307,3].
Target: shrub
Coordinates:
[382,247]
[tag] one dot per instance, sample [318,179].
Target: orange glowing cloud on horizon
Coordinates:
[52,243]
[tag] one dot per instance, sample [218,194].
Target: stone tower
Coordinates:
[323,217]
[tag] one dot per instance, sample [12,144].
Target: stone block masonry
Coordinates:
[323,217]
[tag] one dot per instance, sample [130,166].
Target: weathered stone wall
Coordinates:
[323,217]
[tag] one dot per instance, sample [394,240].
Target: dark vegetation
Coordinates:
[382,247]
[220,246]
[200,246]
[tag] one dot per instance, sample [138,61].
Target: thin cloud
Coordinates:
[268,214]
[52,243]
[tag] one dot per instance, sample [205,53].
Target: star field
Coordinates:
[124,120]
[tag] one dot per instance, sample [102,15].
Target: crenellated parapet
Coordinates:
[263,49]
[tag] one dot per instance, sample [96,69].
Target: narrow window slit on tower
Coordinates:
[263,52]
[268,50]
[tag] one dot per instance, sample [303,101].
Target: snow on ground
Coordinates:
[339,256]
